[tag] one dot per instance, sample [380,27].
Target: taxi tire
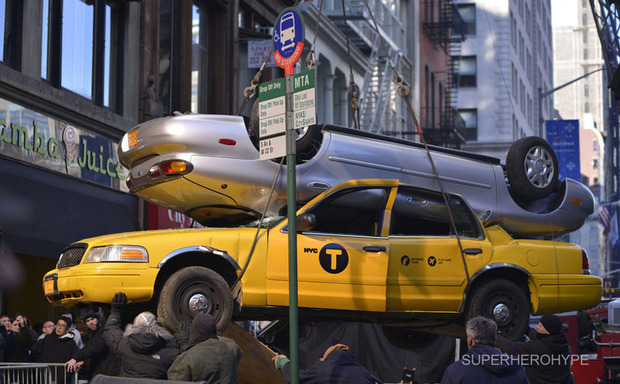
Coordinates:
[195,280]
[492,293]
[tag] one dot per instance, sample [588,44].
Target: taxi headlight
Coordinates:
[116,253]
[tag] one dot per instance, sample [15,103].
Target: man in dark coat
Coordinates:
[210,358]
[57,347]
[483,362]
[96,355]
[546,356]
[145,349]
[337,366]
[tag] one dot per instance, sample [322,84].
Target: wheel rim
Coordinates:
[197,296]
[198,303]
[539,167]
[502,307]
[301,132]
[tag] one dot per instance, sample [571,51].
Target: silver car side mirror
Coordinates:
[485,216]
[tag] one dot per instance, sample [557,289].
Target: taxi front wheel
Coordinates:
[194,290]
[505,302]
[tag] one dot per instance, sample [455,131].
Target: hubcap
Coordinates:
[198,303]
[539,167]
[501,313]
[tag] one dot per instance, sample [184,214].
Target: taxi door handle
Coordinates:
[472,251]
[372,248]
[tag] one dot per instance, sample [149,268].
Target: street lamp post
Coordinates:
[541,94]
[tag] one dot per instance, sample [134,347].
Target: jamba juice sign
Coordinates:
[37,139]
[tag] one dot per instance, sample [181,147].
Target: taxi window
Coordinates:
[353,211]
[424,213]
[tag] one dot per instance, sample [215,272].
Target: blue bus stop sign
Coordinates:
[288,39]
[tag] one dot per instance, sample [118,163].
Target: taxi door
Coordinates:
[342,260]
[426,271]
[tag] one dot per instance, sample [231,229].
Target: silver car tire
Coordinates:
[532,168]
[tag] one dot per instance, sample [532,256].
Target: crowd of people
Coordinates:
[143,349]
[195,352]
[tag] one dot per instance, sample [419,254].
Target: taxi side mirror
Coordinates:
[305,222]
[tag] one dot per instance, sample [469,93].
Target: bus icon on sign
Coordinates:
[287,31]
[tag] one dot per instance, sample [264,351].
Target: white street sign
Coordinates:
[273,147]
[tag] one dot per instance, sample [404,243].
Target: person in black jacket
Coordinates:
[337,366]
[145,349]
[96,355]
[57,347]
[483,362]
[546,356]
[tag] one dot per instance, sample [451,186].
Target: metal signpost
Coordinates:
[288,44]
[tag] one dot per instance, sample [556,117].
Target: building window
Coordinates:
[470,116]
[595,163]
[513,31]
[4,21]
[466,71]
[468,14]
[587,107]
[199,60]
[11,16]
[584,19]
[595,145]
[586,91]
[585,36]
[585,54]
[79,56]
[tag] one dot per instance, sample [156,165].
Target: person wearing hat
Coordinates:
[95,357]
[546,355]
[209,358]
[145,349]
[57,347]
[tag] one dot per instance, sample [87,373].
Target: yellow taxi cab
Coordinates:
[377,250]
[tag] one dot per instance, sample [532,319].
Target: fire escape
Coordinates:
[446,29]
[381,109]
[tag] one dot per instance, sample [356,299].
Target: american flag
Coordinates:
[605,220]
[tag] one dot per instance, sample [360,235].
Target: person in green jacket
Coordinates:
[209,358]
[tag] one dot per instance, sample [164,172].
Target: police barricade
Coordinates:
[36,373]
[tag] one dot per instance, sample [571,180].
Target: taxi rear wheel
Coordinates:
[194,290]
[506,303]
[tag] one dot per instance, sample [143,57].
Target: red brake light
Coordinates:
[585,264]
[175,167]
[230,142]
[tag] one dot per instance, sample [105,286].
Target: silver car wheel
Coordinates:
[539,167]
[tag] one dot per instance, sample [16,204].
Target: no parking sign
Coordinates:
[288,39]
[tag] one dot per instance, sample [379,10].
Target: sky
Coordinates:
[563,12]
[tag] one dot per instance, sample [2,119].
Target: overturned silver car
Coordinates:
[208,167]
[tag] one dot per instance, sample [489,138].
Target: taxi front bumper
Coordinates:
[98,282]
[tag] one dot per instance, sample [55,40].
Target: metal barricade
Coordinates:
[36,373]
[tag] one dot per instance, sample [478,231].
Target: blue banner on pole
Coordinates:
[563,135]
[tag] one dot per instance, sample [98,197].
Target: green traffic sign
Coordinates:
[303,80]
[271,89]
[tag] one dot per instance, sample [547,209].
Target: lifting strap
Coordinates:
[403,91]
